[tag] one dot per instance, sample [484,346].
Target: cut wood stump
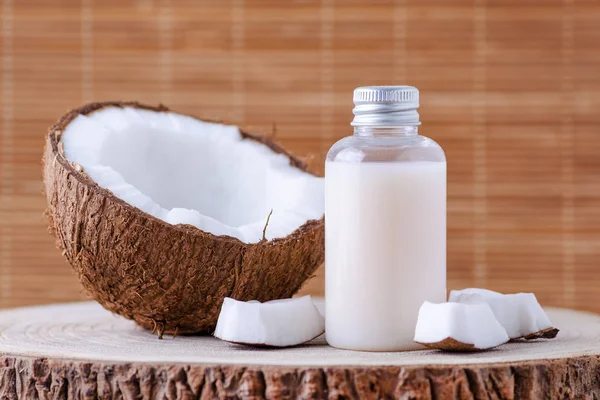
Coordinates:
[79,350]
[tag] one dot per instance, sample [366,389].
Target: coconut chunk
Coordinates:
[466,326]
[186,171]
[520,314]
[277,323]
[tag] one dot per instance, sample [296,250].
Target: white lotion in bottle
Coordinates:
[385,224]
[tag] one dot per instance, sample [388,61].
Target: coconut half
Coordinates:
[466,326]
[520,314]
[277,323]
[163,215]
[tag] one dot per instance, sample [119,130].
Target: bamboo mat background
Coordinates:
[511,90]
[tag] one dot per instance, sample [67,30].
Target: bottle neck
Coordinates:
[386,131]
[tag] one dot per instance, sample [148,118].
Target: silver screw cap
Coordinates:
[386,106]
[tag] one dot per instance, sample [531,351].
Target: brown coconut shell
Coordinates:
[549,333]
[450,344]
[169,278]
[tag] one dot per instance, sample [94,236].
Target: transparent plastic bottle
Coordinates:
[385,224]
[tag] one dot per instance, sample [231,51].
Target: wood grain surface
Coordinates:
[80,350]
[510,89]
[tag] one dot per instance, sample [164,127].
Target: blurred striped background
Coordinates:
[509,88]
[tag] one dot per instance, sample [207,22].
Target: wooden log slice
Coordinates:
[79,350]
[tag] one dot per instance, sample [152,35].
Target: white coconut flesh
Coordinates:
[520,313]
[277,323]
[470,323]
[186,171]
